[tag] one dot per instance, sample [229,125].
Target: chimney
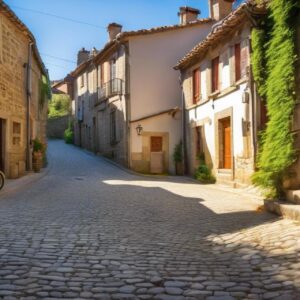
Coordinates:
[219,9]
[113,30]
[187,14]
[93,52]
[82,56]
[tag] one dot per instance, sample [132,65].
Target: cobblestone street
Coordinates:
[90,230]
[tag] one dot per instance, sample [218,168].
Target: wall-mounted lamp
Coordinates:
[139,129]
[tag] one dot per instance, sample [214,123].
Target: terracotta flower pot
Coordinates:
[37,161]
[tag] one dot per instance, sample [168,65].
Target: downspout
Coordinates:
[28,98]
[183,131]
[127,102]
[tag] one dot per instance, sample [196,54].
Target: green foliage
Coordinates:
[177,155]
[277,57]
[203,174]
[69,134]
[59,106]
[38,146]
[45,90]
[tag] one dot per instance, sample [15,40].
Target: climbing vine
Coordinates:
[274,57]
[45,90]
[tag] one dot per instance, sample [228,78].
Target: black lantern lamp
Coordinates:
[139,129]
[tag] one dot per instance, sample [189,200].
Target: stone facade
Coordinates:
[14,59]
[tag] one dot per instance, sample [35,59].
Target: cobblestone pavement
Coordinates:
[92,231]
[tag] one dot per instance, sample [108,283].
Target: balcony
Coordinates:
[111,88]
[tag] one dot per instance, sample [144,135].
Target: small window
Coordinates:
[113,69]
[113,127]
[196,86]
[82,80]
[237,58]
[16,138]
[215,74]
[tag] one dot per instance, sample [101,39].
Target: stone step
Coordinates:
[293,196]
[284,209]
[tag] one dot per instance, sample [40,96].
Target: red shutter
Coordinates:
[196,86]
[237,55]
[215,74]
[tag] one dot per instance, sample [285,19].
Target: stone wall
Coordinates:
[56,127]
[13,58]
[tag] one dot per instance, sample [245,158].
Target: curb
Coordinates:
[286,210]
[20,184]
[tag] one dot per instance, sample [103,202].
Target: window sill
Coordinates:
[240,81]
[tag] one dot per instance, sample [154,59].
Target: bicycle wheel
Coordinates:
[2,180]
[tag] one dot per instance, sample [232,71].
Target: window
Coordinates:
[16,134]
[101,75]
[113,69]
[196,86]
[113,127]
[215,74]
[82,80]
[237,58]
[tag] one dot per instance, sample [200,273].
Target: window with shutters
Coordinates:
[196,86]
[82,80]
[215,74]
[237,59]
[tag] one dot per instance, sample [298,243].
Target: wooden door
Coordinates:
[156,144]
[226,144]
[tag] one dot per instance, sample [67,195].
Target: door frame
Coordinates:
[226,113]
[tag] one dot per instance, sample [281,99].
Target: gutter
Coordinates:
[28,101]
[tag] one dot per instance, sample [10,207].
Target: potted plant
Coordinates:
[178,159]
[38,155]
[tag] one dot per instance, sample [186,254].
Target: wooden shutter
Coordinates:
[196,86]
[215,74]
[237,57]
[244,57]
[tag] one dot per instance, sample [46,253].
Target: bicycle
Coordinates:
[2,180]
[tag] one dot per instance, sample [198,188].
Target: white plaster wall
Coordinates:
[233,100]
[154,85]
[162,123]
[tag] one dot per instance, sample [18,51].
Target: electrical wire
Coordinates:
[59,58]
[56,16]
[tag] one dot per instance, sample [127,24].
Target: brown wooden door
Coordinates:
[227,144]
[156,144]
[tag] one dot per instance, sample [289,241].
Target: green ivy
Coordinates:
[45,90]
[274,71]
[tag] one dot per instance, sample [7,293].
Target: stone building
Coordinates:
[23,112]
[222,109]
[128,97]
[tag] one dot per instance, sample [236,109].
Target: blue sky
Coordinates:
[63,39]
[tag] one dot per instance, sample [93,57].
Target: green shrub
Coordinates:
[69,135]
[37,145]
[204,175]
[59,106]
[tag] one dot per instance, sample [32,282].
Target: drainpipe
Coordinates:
[28,98]
[184,148]
[127,101]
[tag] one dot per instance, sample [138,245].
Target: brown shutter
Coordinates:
[196,86]
[215,74]
[237,55]
[244,58]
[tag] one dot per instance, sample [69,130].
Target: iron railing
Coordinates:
[109,89]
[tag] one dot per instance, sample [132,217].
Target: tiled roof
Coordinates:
[122,35]
[5,9]
[219,31]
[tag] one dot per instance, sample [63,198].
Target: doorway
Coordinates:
[226,151]
[2,145]
[156,156]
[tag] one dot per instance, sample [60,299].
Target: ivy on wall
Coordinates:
[273,61]
[45,90]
